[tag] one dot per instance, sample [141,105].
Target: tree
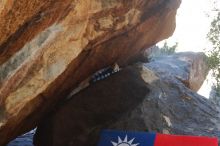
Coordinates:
[168,50]
[164,50]
[214,54]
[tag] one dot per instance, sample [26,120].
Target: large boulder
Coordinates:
[48,47]
[138,98]
[188,67]
[214,95]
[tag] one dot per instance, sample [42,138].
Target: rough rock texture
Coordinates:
[214,96]
[48,47]
[188,67]
[139,97]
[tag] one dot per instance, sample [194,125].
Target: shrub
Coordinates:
[214,54]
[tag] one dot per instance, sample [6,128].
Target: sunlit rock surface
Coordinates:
[142,97]
[188,67]
[48,47]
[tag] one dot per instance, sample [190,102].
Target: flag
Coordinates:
[122,138]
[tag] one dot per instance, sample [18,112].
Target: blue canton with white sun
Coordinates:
[124,142]
[121,138]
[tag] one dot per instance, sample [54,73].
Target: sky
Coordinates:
[192,25]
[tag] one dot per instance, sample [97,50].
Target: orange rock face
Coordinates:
[48,47]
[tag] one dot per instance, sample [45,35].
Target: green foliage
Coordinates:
[163,51]
[214,54]
[168,50]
